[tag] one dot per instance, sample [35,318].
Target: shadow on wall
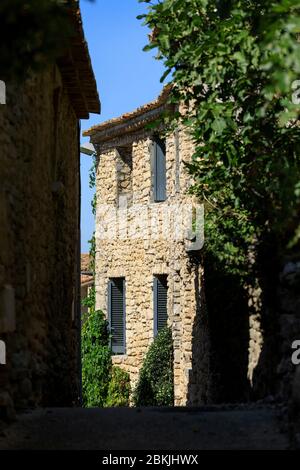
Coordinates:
[280,319]
[220,338]
[199,385]
[60,387]
[266,381]
[226,348]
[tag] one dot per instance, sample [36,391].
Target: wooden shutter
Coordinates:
[160,180]
[160,291]
[116,310]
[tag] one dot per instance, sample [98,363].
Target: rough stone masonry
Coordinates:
[125,172]
[40,231]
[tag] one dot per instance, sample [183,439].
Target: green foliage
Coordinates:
[95,343]
[92,182]
[96,359]
[33,33]
[119,388]
[234,64]
[155,386]
[89,301]
[102,384]
[92,243]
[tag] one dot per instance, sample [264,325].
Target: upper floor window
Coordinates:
[124,173]
[159,173]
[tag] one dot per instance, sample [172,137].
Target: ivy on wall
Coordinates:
[96,358]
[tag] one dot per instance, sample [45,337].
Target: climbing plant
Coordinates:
[96,359]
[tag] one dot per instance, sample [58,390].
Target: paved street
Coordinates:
[147,429]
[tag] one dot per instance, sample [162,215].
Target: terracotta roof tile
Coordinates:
[86,274]
[162,99]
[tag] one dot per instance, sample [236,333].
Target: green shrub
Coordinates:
[155,386]
[119,388]
[96,360]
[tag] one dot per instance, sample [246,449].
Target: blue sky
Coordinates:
[126,76]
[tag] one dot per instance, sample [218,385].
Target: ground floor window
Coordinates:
[160,291]
[116,314]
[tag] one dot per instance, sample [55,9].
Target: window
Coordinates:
[160,291]
[116,313]
[159,170]
[124,174]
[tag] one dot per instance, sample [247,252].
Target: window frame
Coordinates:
[155,301]
[157,142]
[117,350]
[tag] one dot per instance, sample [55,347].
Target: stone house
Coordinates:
[40,229]
[144,282]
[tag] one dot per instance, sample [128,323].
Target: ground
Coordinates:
[207,428]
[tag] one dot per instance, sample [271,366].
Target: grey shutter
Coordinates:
[116,305]
[160,180]
[160,291]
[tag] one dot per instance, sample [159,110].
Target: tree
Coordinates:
[234,66]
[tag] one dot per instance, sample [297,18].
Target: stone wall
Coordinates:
[289,324]
[274,326]
[138,259]
[39,195]
[288,367]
